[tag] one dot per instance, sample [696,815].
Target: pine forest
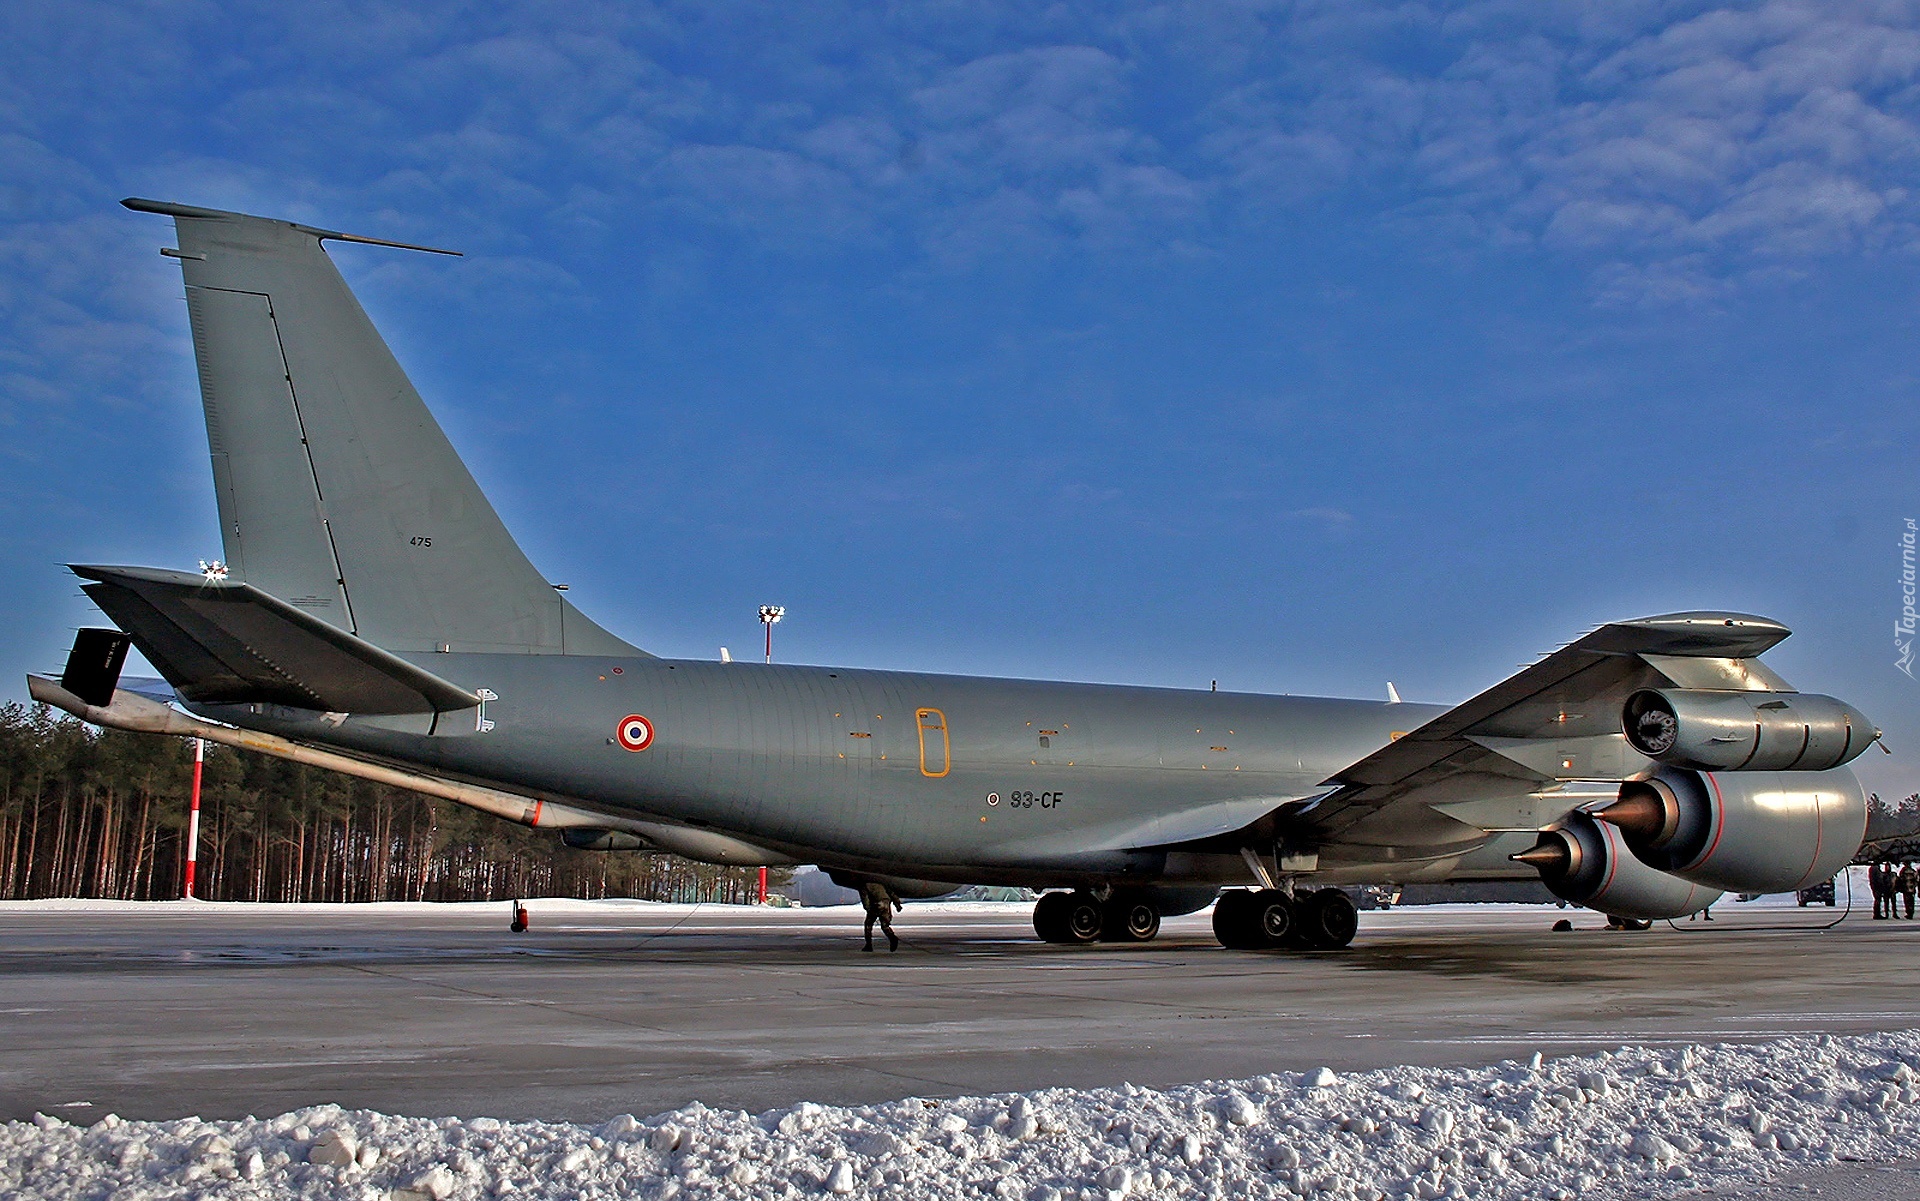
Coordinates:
[103,813]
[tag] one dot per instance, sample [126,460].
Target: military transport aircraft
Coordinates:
[374,616]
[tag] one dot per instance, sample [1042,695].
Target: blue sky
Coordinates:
[1298,346]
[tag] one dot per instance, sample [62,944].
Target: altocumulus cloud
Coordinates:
[1669,150]
[1674,146]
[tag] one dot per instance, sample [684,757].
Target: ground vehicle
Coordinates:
[1819,894]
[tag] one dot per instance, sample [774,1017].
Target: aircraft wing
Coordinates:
[1558,719]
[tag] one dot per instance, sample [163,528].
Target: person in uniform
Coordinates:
[1908,884]
[880,903]
[1877,885]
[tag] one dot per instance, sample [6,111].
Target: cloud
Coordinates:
[1665,139]
[761,188]
[1035,146]
[1750,136]
[1618,132]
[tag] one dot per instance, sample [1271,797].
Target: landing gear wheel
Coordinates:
[1252,921]
[1328,920]
[1233,920]
[1131,920]
[1050,917]
[1273,916]
[1085,918]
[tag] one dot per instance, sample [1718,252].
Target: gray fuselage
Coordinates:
[944,777]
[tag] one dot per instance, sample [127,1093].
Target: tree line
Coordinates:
[86,812]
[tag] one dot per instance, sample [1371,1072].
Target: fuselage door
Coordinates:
[936,747]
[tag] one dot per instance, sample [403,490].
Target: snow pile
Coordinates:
[1638,1121]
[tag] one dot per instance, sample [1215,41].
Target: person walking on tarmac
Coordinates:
[880,903]
[1908,883]
[1878,886]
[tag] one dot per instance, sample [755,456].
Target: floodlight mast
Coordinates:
[769,614]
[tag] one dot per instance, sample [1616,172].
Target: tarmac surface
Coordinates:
[159,1011]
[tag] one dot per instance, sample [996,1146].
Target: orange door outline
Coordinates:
[933,721]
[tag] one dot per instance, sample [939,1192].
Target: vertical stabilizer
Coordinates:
[338,492]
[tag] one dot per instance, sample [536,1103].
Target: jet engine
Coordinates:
[1745,731]
[1745,831]
[1586,862]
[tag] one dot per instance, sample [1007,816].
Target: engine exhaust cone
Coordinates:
[1641,816]
[1550,857]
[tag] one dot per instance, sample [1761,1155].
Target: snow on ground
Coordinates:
[1632,1122]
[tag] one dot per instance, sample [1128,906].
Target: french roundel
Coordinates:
[635,732]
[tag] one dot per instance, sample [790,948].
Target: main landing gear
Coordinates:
[1250,920]
[1244,920]
[1081,917]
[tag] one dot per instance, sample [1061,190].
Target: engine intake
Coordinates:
[1745,731]
[1586,862]
[1742,832]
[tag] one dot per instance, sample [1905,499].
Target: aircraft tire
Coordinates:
[1050,918]
[1328,920]
[1253,921]
[1131,920]
[1083,919]
[1275,918]
[1230,920]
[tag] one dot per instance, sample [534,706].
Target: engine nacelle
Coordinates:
[1745,731]
[1587,862]
[1745,831]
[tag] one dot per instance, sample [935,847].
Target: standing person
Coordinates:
[880,903]
[1908,884]
[1877,885]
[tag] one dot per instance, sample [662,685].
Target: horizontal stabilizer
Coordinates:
[227,643]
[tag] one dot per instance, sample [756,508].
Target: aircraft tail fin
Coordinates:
[338,492]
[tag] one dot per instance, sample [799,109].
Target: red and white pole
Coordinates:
[193,813]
